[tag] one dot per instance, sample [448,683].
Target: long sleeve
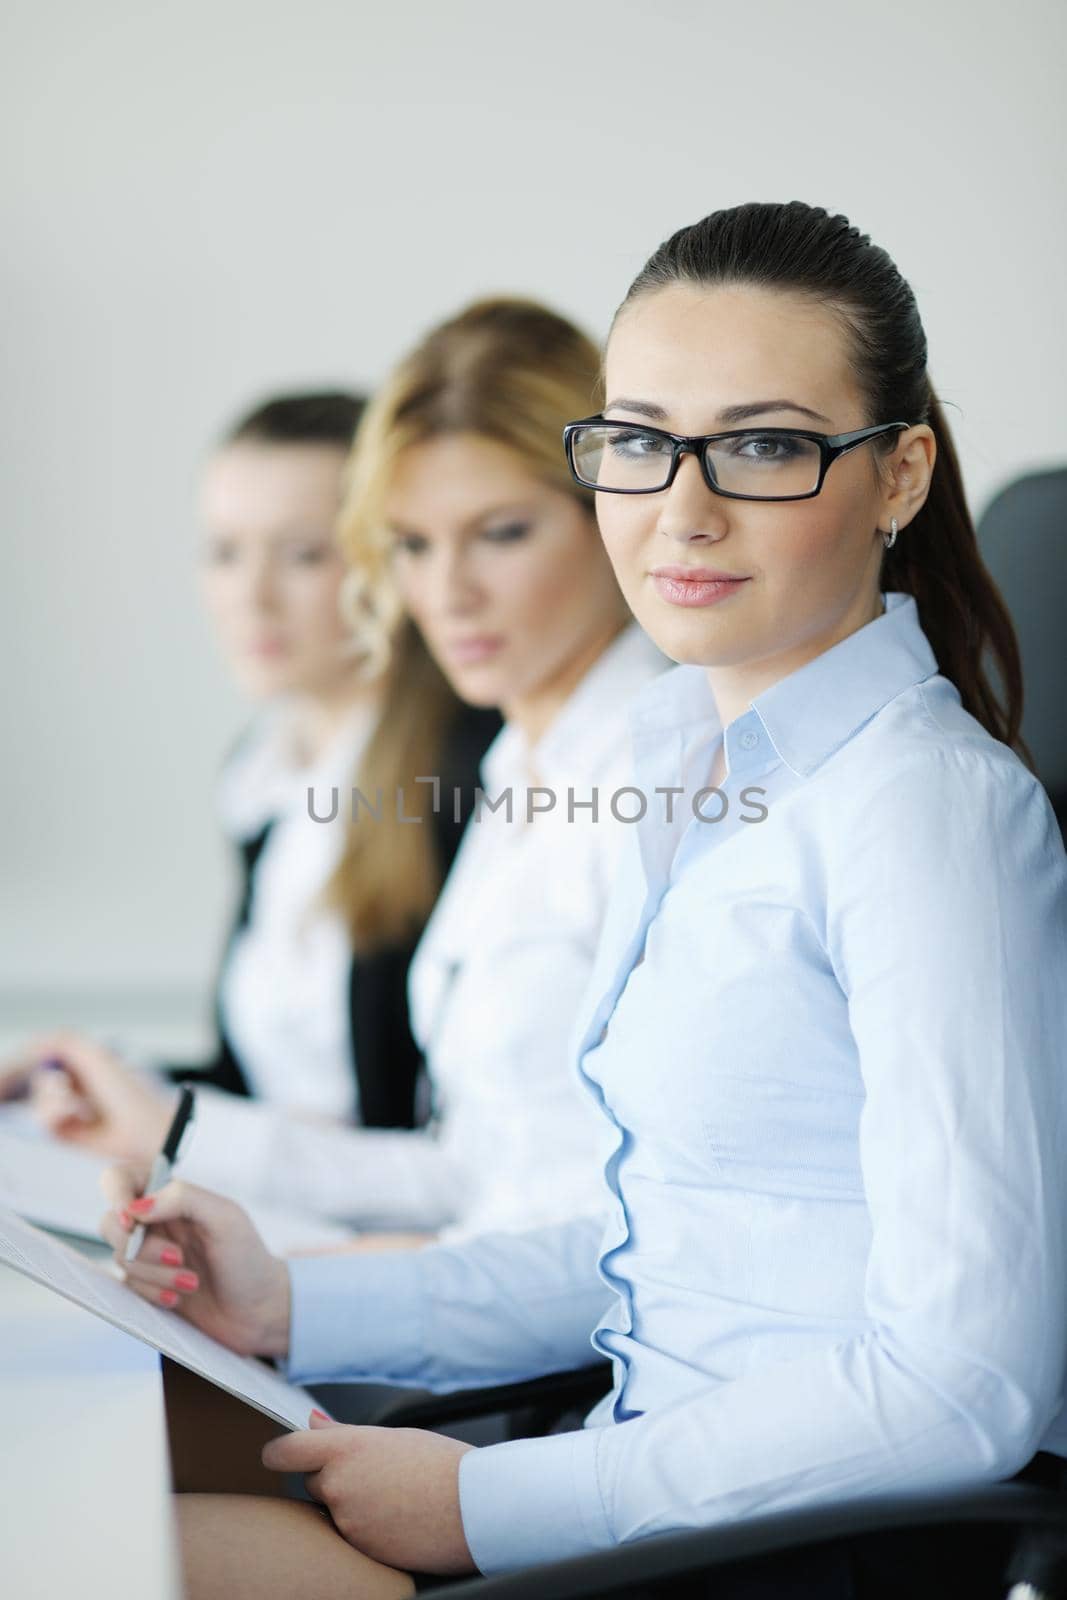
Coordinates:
[530,1143]
[945,924]
[492,1310]
[365,1177]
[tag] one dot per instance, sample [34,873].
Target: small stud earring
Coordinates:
[889,539]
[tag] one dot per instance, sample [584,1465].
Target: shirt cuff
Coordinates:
[355,1317]
[533,1500]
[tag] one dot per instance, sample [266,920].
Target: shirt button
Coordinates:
[749,741]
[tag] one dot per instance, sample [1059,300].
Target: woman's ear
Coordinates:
[911,468]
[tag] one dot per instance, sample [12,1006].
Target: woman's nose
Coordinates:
[689,513]
[261,588]
[458,590]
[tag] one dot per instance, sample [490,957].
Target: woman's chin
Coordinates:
[479,685]
[272,679]
[688,643]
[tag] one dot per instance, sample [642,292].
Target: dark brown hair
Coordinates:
[328,416]
[804,250]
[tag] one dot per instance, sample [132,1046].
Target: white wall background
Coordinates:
[204,202]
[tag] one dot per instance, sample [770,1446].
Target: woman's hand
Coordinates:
[393,1493]
[202,1255]
[95,1101]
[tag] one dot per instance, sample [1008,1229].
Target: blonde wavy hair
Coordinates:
[505,369]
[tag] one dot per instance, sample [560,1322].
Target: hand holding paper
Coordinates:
[202,1255]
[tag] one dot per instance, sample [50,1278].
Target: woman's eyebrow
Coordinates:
[642,408]
[756,408]
[477,519]
[742,413]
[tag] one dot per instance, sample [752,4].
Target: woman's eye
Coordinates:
[409,544]
[220,553]
[507,532]
[633,445]
[766,447]
[308,555]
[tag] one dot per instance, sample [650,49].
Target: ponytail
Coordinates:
[937,561]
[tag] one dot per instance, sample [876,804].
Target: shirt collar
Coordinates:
[813,711]
[262,781]
[587,730]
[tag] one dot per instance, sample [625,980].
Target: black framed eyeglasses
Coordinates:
[744,464]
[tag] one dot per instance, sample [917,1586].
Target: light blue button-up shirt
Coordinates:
[828,1031]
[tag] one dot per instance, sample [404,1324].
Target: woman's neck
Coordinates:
[317,719]
[535,712]
[735,688]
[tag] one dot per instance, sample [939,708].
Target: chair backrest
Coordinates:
[1023,539]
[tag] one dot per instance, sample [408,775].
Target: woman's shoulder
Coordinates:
[927,730]
[926,769]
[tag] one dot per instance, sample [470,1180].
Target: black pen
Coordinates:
[164,1163]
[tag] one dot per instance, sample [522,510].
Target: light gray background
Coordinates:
[208,201]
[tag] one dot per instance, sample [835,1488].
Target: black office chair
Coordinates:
[1022,536]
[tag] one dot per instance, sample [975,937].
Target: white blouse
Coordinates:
[494,988]
[284,991]
[505,958]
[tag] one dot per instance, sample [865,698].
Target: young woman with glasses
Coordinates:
[827,1043]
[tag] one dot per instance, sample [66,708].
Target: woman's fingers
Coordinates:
[313,1485]
[114,1231]
[156,1294]
[178,1201]
[56,1104]
[157,1273]
[144,1277]
[305,1450]
[123,1185]
[154,1252]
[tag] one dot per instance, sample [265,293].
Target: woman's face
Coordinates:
[271,569]
[504,575]
[684,358]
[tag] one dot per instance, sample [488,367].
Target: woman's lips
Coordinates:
[692,586]
[466,651]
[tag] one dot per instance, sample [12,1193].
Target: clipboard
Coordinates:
[94,1286]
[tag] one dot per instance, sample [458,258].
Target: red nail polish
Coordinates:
[186,1280]
[315,1412]
[171,1257]
[168,1297]
[141,1207]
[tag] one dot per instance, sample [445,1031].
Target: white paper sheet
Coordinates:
[92,1285]
[50,1183]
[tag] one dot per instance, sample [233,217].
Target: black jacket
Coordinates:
[386,1059]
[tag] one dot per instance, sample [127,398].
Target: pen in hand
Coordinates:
[163,1164]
